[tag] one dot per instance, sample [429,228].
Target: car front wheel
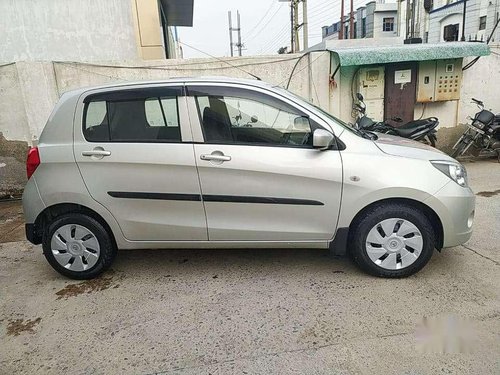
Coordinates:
[78,246]
[392,240]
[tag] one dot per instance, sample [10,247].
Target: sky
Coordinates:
[265,25]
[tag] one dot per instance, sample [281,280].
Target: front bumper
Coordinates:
[455,207]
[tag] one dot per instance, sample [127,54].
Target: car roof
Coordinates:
[180,80]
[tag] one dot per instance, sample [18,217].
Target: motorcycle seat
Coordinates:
[415,126]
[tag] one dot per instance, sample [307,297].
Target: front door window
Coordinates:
[237,120]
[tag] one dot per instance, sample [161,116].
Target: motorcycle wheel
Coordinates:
[432,139]
[460,148]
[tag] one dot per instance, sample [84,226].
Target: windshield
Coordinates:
[323,112]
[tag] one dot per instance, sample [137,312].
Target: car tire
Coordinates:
[78,246]
[376,252]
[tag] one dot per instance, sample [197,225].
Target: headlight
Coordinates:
[455,171]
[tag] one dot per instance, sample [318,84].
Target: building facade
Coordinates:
[377,19]
[446,21]
[436,21]
[426,21]
[91,30]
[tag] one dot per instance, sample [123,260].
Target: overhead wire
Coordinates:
[320,14]
[271,44]
[279,37]
[166,68]
[267,23]
[273,3]
[470,64]
[325,7]
[293,73]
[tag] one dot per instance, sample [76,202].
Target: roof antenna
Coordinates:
[221,60]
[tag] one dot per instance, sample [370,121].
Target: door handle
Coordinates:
[94,152]
[215,157]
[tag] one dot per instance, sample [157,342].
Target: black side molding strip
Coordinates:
[265,200]
[214,198]
[158,196]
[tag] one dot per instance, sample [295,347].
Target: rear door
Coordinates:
[261,179]
[133,148]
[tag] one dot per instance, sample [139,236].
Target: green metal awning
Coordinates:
[408,52]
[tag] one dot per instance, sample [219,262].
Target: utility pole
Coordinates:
[341,31]
[292,28]
[305,31]
[230,33]
[296,24]
[351,21]
[239,45]
[231,29]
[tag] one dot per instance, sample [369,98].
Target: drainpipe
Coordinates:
[399,18]
[463,21]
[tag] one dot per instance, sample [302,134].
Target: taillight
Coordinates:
[33,161]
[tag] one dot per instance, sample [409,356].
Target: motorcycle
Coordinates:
[483,133]
[419,130]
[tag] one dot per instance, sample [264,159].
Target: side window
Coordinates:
[162,112]
[96,122]
[154,115]
[153,119]
[243,120]
[170,110]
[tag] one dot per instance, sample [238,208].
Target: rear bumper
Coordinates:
[32,234]
[455,207]
[32,206]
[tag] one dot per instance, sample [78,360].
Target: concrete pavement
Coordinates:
[257,312]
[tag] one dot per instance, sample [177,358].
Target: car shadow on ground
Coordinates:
[229,259]
[216,263]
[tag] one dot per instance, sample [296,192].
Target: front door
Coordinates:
[261,179]
[400,92]
[129,147]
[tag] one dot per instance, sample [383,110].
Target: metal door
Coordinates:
[400,92]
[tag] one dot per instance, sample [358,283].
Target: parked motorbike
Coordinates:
[483,133]
[423,130]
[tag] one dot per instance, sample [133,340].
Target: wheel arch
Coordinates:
[345,233]
[59,209]
[436,223]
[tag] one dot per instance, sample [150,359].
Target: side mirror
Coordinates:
[322,139]
[359,96]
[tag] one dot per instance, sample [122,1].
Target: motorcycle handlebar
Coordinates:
[478,102]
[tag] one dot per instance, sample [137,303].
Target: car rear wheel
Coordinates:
[78,246]
[392,240]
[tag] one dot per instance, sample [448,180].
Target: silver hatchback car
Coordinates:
[226,163]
